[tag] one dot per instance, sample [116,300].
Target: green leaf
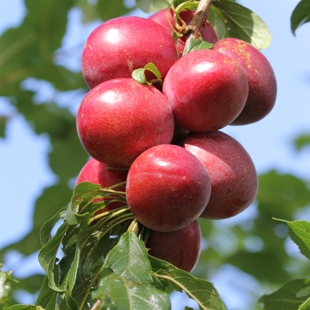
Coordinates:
[193,45]
[25,307]
[116,292]
[300,15]
[299,231]
[129,259]
[242,23]
[112,9]
[47,256]
[294,295]
[139,75]
[3,121]
[302,141]
[47,297]
[149,6]
[202,291]
[5,289]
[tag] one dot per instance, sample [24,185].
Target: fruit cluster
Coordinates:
[163,140]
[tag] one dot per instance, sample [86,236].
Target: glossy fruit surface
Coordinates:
[233,175]
[167,187]
[161,17]
[180,247]
[206,89]
[260,75]
[119,119]
[123,44]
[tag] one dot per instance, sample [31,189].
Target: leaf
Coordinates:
[139,75]
[149,6]
[300,15]
[112,9]
[5,289]
[302,141]
[47,256]
[47,297]
[129,259]
[202,291]
[25,307]
[242,23]
[299,231]
[193,45]
[290,296]
[3,122]
[116,292]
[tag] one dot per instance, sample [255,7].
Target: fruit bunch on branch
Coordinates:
[160,91]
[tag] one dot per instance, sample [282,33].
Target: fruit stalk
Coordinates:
[200,17]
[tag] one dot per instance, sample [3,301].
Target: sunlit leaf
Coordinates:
[150,6]
[202,291]
[290,296]
[129,259]
[299,231]
[302,141]
[116,292]
[300,15]
[242,23]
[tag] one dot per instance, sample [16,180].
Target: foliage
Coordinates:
[30,51]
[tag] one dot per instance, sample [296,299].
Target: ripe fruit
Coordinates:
[260,75]
[207,31]
[167,187]
[123,44]
[233,176]
[98,173]
[206,89]
[119,119]
[180,247]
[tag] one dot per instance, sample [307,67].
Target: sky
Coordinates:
[269,141]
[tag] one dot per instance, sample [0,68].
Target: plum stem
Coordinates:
[200,17]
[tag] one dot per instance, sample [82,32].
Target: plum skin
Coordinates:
[260,75]
[98,173]
[167,187]
[180,247]
[207,31]
[206,89]
[234,182]
[120,118]
[120,45]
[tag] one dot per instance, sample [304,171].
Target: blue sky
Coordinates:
[269,142]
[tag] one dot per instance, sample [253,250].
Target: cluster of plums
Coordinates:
[164,140]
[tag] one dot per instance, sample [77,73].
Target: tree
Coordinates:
[29,51]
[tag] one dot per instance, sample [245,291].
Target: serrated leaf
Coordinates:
[300,15]
[116,292]
[299,231]
[290,296]
[129,259]
[47,256]
[150,6]
[46,297]
[193,45]
[200,290]
[242,23]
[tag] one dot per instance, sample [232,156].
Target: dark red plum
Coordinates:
[207,90]
[180,247]
[260,75]
[120,45]
[120,118]
[167,187]
[233,175]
